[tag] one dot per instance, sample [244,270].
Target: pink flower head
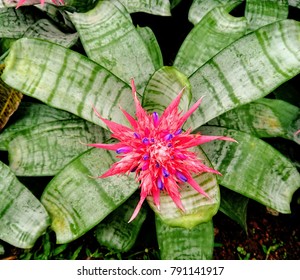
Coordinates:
[156,148]
[56,2]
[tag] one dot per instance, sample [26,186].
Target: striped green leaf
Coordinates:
[200,8]
[28,116]
[246,70]
[198,208]
[214,32]
[155,7]
[234,206]
[260,13]
[77,201]
[262,118]
[110,39]
[46,148]
[253,168]
[153,47]
[66,80]
[15,22]
[31,23]
[163,87]
[45,29]
[185,244]
[115,232]
[59,16]
[22,217]
[81,6]
[122,9]
[295,3]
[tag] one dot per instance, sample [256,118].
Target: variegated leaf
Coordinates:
[44,29]
[216,30]
[46,148]
[111,40]
[262,118]
[66,80]
[153,47]
[261,13]
[115,232]
[163,87]
[235,206]
[177,243]
[200,8]
[77,201]
[155,7]
[253,168]
[246,70]
[23,219]
[15,22]
[29,115]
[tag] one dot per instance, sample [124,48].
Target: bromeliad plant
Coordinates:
[233,62]
[156,149]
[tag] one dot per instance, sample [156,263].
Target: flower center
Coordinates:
[160,152]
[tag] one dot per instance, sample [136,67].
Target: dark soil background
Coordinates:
[267,237]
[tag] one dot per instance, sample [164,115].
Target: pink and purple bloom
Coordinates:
[56,2]
[156,148]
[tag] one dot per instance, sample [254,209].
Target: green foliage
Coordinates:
[77,201]
[115,232]
[192,244]
[253,168]
[83,55]
[23,217]
[272,248]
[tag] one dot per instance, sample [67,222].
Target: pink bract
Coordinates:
[56,2]
[156,148]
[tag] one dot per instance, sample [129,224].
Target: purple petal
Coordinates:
[165,172]
[145,140]
[181,177]
[146,157]
[123,150]
[160,183]
[136,135]
[155,119]
[168,137]
[178,131]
